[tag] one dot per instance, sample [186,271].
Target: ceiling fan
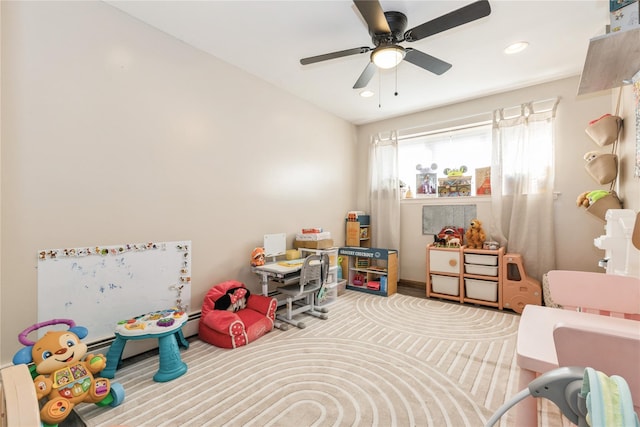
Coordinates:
[387,30]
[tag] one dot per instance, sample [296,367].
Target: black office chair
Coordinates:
[302,297]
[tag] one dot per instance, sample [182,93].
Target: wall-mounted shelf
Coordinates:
[612,60]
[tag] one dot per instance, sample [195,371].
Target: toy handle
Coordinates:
[27,342]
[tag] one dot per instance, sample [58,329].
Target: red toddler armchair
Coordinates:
[233,317]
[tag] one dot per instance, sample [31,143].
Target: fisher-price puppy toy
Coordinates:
[61,372]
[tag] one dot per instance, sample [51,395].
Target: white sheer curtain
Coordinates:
[522,181]
[384,192]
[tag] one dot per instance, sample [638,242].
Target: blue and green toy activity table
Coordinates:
[166,326]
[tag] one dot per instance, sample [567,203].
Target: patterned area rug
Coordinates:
[397,361]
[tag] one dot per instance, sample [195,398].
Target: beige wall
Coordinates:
[575,229]
[629,185]
[113,132]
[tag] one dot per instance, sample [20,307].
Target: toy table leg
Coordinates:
[113,357]
[171,365]
[182,341]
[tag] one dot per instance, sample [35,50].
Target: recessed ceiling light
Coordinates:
[516,47]
[366,94]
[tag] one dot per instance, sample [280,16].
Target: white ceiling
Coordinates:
[268,38]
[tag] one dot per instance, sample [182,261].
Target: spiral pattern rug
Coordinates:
[396,361]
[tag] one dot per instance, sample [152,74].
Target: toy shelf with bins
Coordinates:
[371,270]
[480,276]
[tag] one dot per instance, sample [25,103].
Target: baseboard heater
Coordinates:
[136,347]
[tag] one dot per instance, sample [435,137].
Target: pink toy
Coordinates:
[608,341]
[233,317]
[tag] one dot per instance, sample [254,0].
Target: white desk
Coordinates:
[283,272]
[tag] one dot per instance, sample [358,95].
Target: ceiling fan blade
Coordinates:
[373,15]
[468,13]
[333,55]
[366,76]
[428,62]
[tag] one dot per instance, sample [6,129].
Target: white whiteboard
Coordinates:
[98,286]
[275,244]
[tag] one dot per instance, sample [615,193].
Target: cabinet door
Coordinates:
[353,233]
[444,261]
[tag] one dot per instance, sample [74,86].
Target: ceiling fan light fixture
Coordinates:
[387,56]
[366,94]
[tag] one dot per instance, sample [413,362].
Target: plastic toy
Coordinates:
[358,280]
[439,241]
[62,374]
[257,257]
[475,235]
[450,235]
[455,172]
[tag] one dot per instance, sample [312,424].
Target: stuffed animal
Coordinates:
[257,257]
[233,300]
[63,375]
[475,234]
[588,198]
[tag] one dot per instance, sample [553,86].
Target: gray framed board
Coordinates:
[98,286]
[434,218]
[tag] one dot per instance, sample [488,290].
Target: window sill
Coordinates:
[460,200]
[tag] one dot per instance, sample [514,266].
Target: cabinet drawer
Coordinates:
[447,285]
[481,289]
[483,270]
[444,261]
[481,259]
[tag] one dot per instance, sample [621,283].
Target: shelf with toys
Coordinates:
[371,270]
[480,273]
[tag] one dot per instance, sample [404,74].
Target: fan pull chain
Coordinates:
[379,90]
[396,92]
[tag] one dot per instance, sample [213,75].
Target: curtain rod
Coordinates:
[439,126]
[555,101]
[483,119]
[444,130]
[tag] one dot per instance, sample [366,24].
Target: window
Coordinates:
[448,149]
